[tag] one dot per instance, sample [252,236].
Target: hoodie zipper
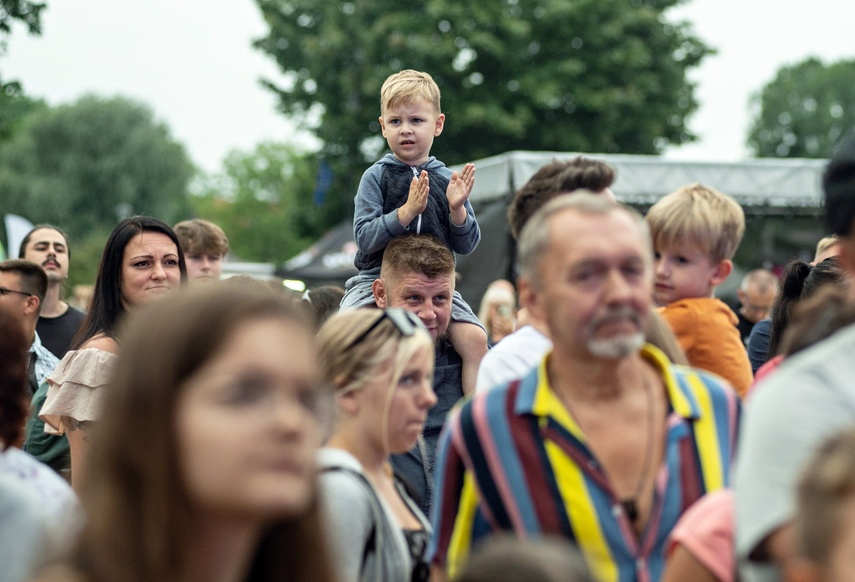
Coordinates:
[419,218]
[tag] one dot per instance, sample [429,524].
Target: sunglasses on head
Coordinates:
[404,321]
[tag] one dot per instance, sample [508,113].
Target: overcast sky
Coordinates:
[192,63]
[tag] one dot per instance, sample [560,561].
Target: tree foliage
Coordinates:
[580,75]
[263,201]
[84,166]
[13,103]
[805,110]
[24,11]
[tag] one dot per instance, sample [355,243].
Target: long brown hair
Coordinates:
[140,525]
[13,380]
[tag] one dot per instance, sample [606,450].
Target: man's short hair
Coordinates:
[764,279]
[556,178]
[826,487]
[405,87]
[22,250]
[199,237]
[838,182]
[698,216]
[420,254]
[535,236]
[34,280]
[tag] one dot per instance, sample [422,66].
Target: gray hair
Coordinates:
[534,238]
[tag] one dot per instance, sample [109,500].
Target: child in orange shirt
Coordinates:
[696,230]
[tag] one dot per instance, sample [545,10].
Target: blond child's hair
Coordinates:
[407,86]
[826,485]
[700,217]
[823,245]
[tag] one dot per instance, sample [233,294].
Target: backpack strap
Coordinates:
[375,537]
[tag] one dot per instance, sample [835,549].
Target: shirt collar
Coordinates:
[536,396]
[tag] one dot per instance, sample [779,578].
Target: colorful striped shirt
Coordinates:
[513,459]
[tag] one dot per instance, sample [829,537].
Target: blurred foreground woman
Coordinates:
[203,463]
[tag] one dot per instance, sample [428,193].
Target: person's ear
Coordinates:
[722,271]
[31,305]
[740,294]
[348,402]
[529,298]
[382,126]
[440,124]
[379,290]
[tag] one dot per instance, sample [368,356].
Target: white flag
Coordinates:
[17,228]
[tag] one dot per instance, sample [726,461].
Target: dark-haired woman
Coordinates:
[141,261]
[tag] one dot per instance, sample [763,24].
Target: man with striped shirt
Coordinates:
[605,443]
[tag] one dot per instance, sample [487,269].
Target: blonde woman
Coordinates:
[381,366]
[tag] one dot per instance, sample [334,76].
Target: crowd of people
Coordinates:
[603,417]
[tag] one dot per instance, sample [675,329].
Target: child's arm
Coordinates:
[372,230]
[465,232]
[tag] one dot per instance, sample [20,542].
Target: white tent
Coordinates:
[644,179]
[784,188]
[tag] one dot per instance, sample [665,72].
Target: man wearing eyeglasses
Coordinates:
[417,274]
[23,285]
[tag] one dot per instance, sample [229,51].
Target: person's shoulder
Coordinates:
[502,397]
[73,314]
[690,380]
[101,342]
[706,310]
[343,483]
[719,312]
[696,304]
[512,358]
[435,165]
[377,168]
[827,366]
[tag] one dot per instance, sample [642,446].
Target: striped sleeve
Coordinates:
[455,502]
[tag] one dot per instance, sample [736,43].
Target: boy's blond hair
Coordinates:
[823,245]
[405,87]
[699,217]
[826,486]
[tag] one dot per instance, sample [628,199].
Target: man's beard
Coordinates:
[618,346]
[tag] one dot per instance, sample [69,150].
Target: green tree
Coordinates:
[263,201]
[13,103]
[85,165]
[805,110]
[581,75]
